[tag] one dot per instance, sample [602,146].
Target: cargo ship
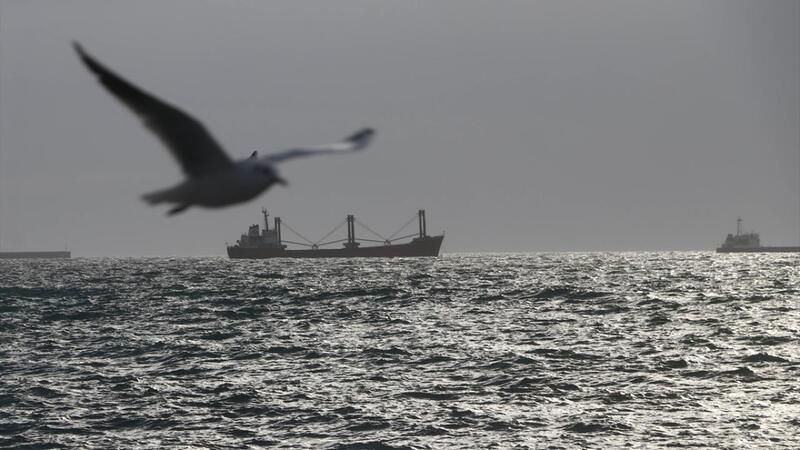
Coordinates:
[38,255]
[749,242]
[269,243]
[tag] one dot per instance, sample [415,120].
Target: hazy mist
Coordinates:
[518,125]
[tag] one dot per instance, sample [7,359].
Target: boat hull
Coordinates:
[425,246]
[759,250]
[37,255]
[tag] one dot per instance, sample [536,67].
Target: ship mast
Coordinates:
[266,220]
[351,232]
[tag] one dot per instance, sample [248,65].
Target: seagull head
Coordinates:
[263,169]
[268,171]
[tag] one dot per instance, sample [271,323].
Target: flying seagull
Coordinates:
[213,179]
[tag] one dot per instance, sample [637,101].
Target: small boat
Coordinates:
[269,243]
[749,242]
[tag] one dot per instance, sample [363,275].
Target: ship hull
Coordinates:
[759,250]
[37,255]
[426,246]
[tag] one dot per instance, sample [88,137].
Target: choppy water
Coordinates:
[473,351]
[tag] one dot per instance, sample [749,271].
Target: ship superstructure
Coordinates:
[740,240]
[266,238]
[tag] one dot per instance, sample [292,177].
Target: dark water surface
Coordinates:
[595,350]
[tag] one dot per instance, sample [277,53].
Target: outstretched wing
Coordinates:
[186,138]
[357,141]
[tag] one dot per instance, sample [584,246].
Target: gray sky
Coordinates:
[518,125]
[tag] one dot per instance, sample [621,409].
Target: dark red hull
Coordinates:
[426,246]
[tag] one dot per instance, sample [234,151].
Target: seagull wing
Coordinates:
[355,142]
[186,138]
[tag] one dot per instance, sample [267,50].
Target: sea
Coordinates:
[483,351]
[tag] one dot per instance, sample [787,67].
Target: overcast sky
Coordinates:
[531,125]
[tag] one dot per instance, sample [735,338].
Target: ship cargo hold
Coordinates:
[269,243]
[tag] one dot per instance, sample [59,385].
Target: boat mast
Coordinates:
[266,221]
[351,232]
[423,226]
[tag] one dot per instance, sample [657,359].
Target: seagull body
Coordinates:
[213,179]
[239,183]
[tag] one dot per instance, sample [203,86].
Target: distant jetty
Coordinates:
[749,243]
[35,255]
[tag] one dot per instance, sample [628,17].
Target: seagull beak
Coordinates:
[281,181]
